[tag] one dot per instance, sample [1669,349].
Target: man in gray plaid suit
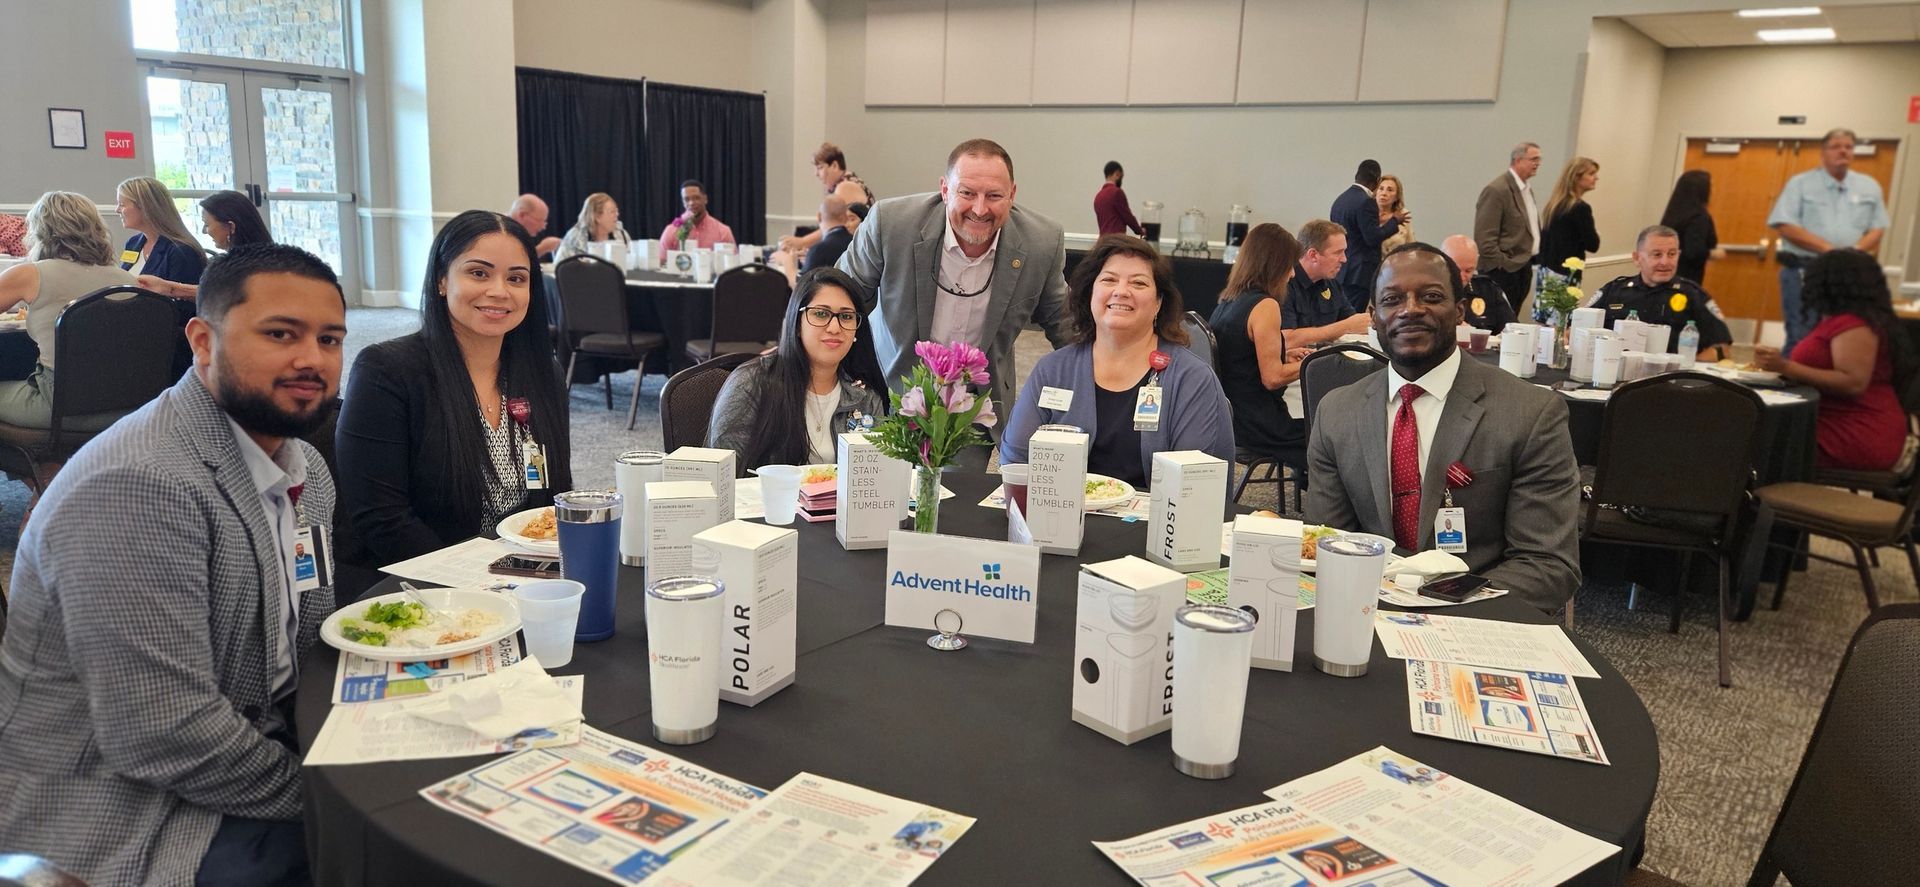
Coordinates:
[157,623]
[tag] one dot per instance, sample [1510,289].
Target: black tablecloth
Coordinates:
[984,732]
[1786,453]
[1200,280]
[18,355]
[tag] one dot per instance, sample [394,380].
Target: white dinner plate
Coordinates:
[509,530]
[452,600]
[1109,501]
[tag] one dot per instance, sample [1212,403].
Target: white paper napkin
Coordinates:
[510,701]
[1427,563]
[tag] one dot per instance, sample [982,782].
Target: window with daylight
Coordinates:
[304,32]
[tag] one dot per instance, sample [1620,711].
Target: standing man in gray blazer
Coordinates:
[158,616]
[961,265]
[1506,224]
[1434,430]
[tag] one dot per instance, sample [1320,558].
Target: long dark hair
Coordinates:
[779,423]
[1689,199]
[1166,322]
[1267,255]
[233,208]
[527,369]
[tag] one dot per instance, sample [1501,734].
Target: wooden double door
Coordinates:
[1746,182]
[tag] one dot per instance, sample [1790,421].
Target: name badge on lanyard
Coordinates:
[1150,402]
[312,558]
[533,456]
[1450,526]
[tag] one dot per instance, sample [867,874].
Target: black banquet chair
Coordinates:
[1854,808]
[114,350]
[1321,373]
[749,307]
[686,403]
[595,320]
[1675,472]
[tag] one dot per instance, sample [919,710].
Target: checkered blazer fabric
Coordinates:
[136,673]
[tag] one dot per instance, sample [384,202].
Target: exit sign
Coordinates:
[120,144]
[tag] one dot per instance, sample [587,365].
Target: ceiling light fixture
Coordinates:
[1779,12]
[1796,35]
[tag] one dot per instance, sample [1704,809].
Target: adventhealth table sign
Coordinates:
[992,585]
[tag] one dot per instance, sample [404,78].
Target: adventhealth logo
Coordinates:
[982,587]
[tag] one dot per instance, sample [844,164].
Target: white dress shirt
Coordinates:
[272,477]
[962,318]
[1426,411]
[1533,209]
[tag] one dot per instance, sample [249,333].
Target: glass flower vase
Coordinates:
[926,499]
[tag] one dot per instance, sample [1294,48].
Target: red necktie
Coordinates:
[1405,467]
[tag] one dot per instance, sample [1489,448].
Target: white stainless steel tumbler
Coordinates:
[631,474]
[683,652]
[1212,653]
[1349,569]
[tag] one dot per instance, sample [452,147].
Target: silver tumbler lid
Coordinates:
[641,457]
[686,588]
[587,506]
[1353,546]
[1215,618]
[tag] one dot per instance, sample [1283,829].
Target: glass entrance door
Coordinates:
[277,138]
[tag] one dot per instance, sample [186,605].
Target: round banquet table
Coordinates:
[985,732]
[1786,453]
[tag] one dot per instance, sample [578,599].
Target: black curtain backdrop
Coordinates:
[716,136]
[579,135]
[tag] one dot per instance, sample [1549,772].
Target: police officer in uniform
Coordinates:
[1315,310]
[1486,306]
[1657,295]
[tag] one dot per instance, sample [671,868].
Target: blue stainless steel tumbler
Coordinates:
[589,526]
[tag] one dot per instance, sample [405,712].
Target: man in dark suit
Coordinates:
[1383,450]
[1357,214]
[1485,305]
[150,669]
[1506,224]
[834,237]
[961,265]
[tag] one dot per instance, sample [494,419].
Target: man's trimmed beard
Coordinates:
[257,413]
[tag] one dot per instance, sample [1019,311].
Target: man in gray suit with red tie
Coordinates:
[160,609]
[1436,430]
[1506,224]
[961,265]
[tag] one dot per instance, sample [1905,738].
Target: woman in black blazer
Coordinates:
[160,246]
[437,429]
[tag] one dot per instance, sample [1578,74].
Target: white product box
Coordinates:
[1123,647]
[1633,331]
[714,466]
[1057,490]
[760,566]
[1264,579]
[676,510]
[1183,525]
[872,489]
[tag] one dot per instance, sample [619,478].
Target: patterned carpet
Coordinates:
[1727,756]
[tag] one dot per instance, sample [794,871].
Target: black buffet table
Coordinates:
[984,732]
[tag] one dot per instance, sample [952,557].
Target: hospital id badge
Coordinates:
[1450,529]
[1146,409]
[312,558]
[534,456]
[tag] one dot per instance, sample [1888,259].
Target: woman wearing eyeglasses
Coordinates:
[788,407]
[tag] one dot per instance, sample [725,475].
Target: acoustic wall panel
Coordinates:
[989,52]
[906,52]
[1300,51]
[1432,50]
[1080,51]
[1185,52]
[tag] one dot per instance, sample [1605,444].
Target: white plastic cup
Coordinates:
[1212,654]
[549,609]
[1348,571]
[780,492]
[684,624]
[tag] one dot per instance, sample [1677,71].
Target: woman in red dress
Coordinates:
[1850,357]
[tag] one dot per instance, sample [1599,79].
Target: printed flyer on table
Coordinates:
[614,808]
[1522,710]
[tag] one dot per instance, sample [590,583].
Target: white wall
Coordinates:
[692,42]
[1624,75]
[1742,91]
[43,42]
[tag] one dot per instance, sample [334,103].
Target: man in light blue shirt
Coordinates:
[1821,209]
